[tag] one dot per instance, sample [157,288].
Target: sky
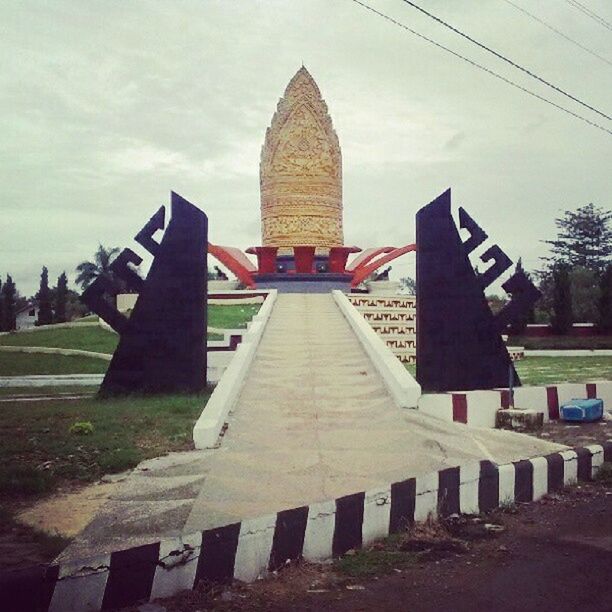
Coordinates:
[107,106]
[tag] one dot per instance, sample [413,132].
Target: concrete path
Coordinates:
[52,380]
[313,422]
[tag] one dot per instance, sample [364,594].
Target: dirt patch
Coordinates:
[34,533]
[67,513]
[576,434]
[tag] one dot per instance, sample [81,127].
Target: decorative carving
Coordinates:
[301,171]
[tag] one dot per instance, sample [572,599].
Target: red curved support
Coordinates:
[236,261]
[365,270]
[366,256]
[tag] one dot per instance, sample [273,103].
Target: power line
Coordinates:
[484,68]
[504,58]
[589,13]
[552,28]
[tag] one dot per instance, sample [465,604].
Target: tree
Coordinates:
[496,303]
[1,308]
[604,318]
[43,297]
[562,317]
[585,294]
[408,283]
[88,271]
[518,327]
[61,298]
[584,238]
[9,298]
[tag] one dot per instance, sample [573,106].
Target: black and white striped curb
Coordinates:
[250,548]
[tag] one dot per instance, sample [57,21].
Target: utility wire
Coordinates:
[589,13]
[504,58]
[552,28]
[484,68]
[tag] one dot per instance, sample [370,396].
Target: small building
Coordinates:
[27,316]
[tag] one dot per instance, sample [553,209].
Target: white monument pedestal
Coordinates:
[383,287]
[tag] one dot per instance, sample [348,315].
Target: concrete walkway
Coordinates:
[313,422]
[52,380]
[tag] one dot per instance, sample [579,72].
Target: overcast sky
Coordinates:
[107,106]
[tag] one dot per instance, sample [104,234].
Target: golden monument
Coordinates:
[300,172]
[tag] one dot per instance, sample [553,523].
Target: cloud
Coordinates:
[104,110]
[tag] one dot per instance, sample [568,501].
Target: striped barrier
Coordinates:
[248,549]
[479,408]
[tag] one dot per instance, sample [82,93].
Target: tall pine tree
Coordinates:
[562,316]
[9,295]
[584,238]
[604,322]
[518,327]
[61,298]
[45,311]
[1,308]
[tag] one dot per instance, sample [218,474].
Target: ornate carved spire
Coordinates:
[301,171]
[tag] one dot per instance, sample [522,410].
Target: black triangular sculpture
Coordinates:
[459,345]
[163,344]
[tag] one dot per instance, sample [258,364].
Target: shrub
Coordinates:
[81,428]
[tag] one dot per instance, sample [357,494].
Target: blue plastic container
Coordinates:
[582,410]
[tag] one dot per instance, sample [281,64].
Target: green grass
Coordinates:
[25,364]
[96,339]
[561,342]
[100,340]
[234,316]
[373,562]
[535,371]
[38,452]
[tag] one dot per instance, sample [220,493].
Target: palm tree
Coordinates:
[88,271]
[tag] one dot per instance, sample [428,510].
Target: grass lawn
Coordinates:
[561,342]
[549,370]
[536,371]
[23,364]
[96,339]
[38,451]
[234,316]
[100,340]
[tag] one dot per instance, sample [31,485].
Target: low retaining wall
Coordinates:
[30,330]
[208,427]
[404,389]
[478,408]
[250,548]
[54,351]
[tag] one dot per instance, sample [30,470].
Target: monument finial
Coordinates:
[301,171]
